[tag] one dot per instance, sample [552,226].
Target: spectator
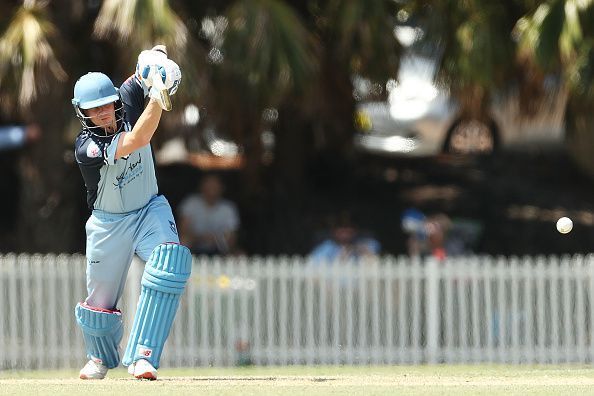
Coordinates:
[438,236]
[345,243]
[16,136]
[427,235]
[209,223]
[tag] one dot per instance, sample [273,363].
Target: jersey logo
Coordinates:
[130,172]
[172,226]
[93,150]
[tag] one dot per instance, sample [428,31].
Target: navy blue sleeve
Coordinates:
[132,96]
[91,150]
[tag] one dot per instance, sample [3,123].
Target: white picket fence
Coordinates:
[279,311]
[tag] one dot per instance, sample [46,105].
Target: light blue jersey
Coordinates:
[119,185]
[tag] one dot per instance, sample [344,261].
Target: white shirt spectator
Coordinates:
[217,220]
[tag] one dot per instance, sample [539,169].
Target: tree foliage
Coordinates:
[27,57]
[241,57]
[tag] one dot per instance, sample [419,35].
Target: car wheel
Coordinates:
[471,136]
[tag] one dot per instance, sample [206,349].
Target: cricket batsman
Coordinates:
[129,216]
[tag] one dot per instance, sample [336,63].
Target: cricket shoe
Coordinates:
[142,369]
[93,370]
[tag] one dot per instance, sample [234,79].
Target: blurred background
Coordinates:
[404,127]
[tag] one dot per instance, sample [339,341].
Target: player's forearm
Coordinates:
[143,130]
[148,122]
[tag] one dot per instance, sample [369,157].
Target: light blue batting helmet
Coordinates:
[94,89]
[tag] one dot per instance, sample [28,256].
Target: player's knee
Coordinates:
[100,300]
[168,268]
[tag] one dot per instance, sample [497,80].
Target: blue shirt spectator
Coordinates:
[345,245]
[16,136]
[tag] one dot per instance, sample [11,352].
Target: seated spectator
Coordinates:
[438,236]
[427,235]
[208,223]
[345,243]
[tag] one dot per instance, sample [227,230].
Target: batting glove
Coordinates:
[172,76]
[157,76]
[147,59]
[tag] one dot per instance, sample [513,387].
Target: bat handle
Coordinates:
[163,93]
[167,106]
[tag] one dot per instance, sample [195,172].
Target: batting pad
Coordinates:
[102,330]
[163,282]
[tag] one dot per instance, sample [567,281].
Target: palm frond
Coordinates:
[267,42]
[140,24]
[555,32]
[27,59]
[476,47]
[364,35]
[558,35]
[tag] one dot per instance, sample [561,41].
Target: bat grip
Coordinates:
[165,101]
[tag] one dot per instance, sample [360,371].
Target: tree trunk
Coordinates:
[580,139]
[49,215]
[337,108]
[290,190]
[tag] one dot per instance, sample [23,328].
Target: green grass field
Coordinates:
[310,381]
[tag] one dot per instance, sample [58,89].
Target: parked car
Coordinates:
[420,118]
